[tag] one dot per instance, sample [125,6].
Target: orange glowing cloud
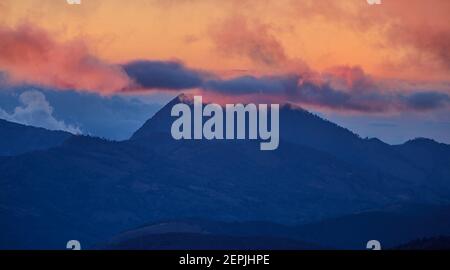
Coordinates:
[31,55]
[402,39]
[388,57]
[409,38]
[238,36]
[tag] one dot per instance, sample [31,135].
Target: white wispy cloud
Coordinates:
[35,110]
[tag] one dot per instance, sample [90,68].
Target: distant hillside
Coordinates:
[433,243]
[17,139]
[192,241]
[392,227]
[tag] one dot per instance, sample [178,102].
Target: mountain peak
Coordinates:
[291,106]
[421,141]
[181,98]
[297,125]
[160,122]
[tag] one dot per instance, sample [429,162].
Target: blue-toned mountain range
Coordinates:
[90,189]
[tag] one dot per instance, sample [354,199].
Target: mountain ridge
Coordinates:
[17,138]
[92,189]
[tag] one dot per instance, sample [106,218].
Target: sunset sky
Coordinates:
[380,70]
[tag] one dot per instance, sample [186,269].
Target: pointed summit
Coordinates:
[161,121]
[181,98]
[297,126]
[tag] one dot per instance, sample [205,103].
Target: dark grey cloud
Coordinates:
[249,85]
[290,88]
[427,100]
[342,88]
[296,88]
[163,75]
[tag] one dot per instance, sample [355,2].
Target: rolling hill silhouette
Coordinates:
[392,226]
[431,243]
[90,189]
[17,139]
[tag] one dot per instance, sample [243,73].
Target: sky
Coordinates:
[380,70]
